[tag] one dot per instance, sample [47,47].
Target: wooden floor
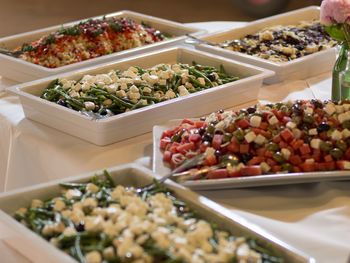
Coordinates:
[23,15]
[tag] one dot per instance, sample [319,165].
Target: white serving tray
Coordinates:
[159,167]
[38,250]
[300,68]
[22,71]
[136,122]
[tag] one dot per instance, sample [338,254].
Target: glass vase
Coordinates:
[341,75]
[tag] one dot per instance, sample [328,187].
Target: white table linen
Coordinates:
[314,218]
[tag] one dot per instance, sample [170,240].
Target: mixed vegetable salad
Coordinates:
[89,39]
[283,43]
[120,91]
[101,222]
[291,137]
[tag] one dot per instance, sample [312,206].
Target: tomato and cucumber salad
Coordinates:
[290,137]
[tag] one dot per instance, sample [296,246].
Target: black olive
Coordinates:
[206,143]
[201,131]
[322,127]
[80,227]
[103,112]
[219,132]
[251,110]
[218,153]
[61,102]
[202,118]
[212,77]
[246,157]
[221,111]
[297,109]
[318,104]
[207,137]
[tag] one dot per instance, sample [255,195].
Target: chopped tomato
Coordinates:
[296,144]
[233,146]
[210,160]
[243,123]
[287,135]
[307,167]
[167,156]
[244,148]
[194,137]
[305,149]
[217,174]
[251,170]
[217,141]
[164,143]
[328,158]
[184,148]
[187,121]
[295,159]
[256,160]
[276,168]
[199,124]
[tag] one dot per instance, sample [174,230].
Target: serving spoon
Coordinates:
[14,54]
[195,40]
[187,164]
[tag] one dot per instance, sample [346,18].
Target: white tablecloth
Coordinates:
[314,218]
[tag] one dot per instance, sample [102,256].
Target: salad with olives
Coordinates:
[290,137]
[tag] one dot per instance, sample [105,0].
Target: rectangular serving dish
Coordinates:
[39,250]
[22,71]
[238,182]
[299,68]
[136,122]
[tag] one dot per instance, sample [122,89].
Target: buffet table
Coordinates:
[313,218]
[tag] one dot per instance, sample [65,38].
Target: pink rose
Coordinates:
[335,11]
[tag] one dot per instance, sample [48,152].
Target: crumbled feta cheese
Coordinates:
[69,231]
[93,257]
[201,80]
[315,143]
[250,136]
[310,160]
[121,93]
[286,153]
[153,79]
[336,135]
[345,133]
[89,105]
[265,167]
[260,139]
[134,89]
[183,91]
[36,203]
[59,205]
[291,125]
[329,108]
[93,223]
[313,131]
[112,88]
[296,133]
[107,102]
[170,94]
[92,188]
[339,108]
[309,110]
[273,120]
[255,121]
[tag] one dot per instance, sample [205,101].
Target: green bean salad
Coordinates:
[120,91]
[101,222]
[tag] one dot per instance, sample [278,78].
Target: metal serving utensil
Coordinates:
[14,54]
[194,40]
[187,164]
